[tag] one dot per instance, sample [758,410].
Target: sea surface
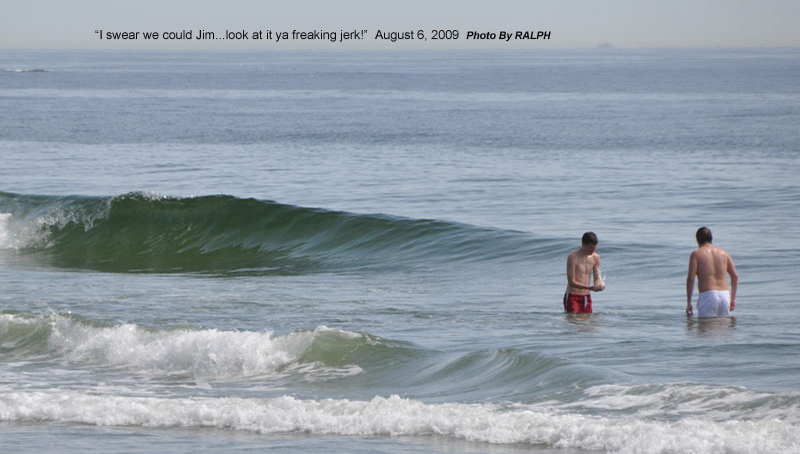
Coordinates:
[365,251]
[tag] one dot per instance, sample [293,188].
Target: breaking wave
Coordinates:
[140,232]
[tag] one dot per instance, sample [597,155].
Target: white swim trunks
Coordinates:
[714,303]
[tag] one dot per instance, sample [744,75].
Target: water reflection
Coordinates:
[584,323]
[710,327]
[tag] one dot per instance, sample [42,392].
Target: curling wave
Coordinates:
[302,356]
[139,232]
[199,355]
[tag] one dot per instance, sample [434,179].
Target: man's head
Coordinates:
[703,236]
[589,241]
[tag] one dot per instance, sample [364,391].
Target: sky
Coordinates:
[76,24]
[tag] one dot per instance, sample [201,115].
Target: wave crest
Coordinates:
[200,355]
[139,232]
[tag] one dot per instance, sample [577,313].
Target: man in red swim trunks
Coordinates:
[583,265]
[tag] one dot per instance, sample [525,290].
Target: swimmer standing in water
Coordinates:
[583,265]
[710,264]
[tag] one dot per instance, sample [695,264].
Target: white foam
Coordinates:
[720,403]
[5,236]
[198,354]
[395,416]
[34,228]
[19,233]
[322,329]
[7,321]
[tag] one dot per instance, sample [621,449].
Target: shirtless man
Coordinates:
[710,264]
[582,265]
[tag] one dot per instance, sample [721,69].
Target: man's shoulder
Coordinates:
[709,253]
[722,252]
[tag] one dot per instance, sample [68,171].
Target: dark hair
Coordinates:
[589,238]
[703,235]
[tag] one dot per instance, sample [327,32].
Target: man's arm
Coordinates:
[690,282]
[734,281]
[599,285]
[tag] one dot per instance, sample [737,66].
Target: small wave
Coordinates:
[200,355]
[395,416]
[321,354]
[687,400]
[140,232]
[307,356]
[505,374]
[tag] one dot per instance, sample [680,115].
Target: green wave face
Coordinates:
[137,232]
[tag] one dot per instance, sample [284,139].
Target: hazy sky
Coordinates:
[59,24]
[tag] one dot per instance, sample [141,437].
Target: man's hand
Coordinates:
[689,309]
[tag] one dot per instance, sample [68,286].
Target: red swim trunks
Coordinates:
[577,304]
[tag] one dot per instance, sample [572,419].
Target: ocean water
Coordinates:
[365,251]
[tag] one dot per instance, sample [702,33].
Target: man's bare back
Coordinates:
[710,265]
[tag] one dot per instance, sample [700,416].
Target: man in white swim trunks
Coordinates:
[710,264]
